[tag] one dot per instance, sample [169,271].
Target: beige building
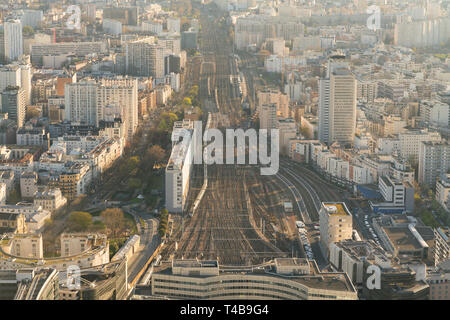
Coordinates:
[443,191]
[25,245]
[50,199]
[28,184]
[335,223]
[12,222]
[281,100]
[268,116]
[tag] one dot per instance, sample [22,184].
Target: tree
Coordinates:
[155,155]
[27,30]
[187,101]
[134,183]
[79,221]
[114,220]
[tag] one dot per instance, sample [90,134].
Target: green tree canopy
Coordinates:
[79,221]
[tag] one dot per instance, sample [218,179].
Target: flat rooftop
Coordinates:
[402,238]
[291,262]
[336,208]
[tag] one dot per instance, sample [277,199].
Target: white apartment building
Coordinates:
[13,39]
[411,140]
[145,58]
[85,101]
[397,193]
[39,50]
[152,26]
[443,191]
[435,112]
[425,33]
[10,75]
[179,166]
[112,26]
[434,160]
[337,106]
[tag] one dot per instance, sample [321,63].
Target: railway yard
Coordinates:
[240,218]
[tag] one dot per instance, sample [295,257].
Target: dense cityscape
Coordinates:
[224,150]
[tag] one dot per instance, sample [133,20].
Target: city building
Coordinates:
[434,160]
[14,103]
[283,279]
[29,284]
[49,199]
[335,224]
[337,106]
[13,39]
[28,184]
[179,166]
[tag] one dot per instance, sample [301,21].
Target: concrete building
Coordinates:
[10,76]
[410,142]
[188,40]
[14,103]
[33,136]
[105,282]
[397,193]
[29,284]
[34,216]
[283,279]
[145,58]
[281,100]
[353,258]
[79,49]
[335,224]
[13,39]
[287,131]
[49,199]
[28,184]
[337,107]
[434,160]
[85,101]
[435,113]
[179,166]
[443,191]
[82,249]
[268,116]
[111,26]
[441,249]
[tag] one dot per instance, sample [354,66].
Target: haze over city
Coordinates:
[224,150]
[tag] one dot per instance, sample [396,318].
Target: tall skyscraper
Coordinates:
[85,101]
[13,103]
[146,59]
[13,39]
[337,105]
